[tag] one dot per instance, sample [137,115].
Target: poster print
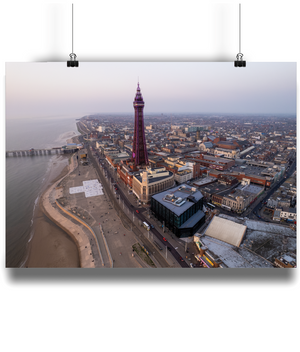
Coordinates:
[150,165]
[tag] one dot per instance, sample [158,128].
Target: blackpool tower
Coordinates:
[139,150]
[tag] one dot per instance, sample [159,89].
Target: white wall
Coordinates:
[157,30]
[246,301]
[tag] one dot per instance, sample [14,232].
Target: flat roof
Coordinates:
[215,187]
[272,228]
[183,193]
[205,180]
[252,170]
[265,236]
[155,179]
[233,257]
[250,188]
[227,150]
[214,159]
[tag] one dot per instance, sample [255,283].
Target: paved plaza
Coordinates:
[83,196]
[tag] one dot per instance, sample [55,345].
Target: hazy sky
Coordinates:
[47,89]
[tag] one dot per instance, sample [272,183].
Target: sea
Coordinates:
[26,176]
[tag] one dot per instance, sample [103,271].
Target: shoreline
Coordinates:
[51,246]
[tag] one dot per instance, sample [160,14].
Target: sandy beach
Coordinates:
[50,246]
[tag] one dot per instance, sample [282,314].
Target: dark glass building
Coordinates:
[181,208]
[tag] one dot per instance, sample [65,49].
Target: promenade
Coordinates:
[91,221]
[89,255]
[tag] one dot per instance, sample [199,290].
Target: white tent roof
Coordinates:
[226,231]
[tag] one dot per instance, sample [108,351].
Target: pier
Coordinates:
[33,152]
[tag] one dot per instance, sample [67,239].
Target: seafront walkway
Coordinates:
[83,236]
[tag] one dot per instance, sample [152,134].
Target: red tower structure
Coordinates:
[139,149]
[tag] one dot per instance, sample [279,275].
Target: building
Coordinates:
[239,198]
[227,153]
[204,181]
[151,181]
[230,242]
[94,135]
[183,176]
[286,261]
[125,173]
[210,189]
[70,146]
[285,196]
[195,128]
[101,128]
[206,146]
[288,214]
[114,159]
[264,174]
[212,162]
[180,209]
[234,144]
[139,149]
[226,231]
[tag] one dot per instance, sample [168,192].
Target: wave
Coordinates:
[33,212]
[30,236]
[54,160]
[24,261]
[24,189]
[35,207]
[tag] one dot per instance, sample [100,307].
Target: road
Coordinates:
[165,243]
[140,216]
[255,211]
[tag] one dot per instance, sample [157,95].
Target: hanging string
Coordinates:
[240,36]
[72,30]
[72,62]
[240,62]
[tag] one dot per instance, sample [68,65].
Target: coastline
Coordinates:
[51,247]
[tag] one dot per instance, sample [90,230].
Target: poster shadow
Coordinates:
[157,276]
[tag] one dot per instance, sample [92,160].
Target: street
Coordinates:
[124,198]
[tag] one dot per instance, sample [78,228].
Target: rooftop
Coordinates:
[215,160]
[204,181]
[192,221]
[215,188]
[232,258]
[226,230]
[266,239]
[154,174]
[178,199]
[261,242]
[247,190]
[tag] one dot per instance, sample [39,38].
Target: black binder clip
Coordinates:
[73,62]
[239,62]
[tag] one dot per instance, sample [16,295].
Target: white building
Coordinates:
[101,128]
[288,213]
[227,153]
[183,176]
